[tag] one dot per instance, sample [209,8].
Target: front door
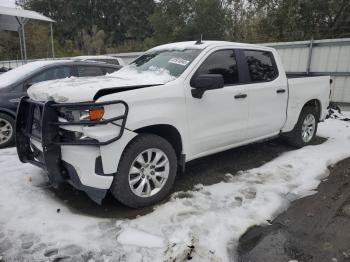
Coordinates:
[218,119]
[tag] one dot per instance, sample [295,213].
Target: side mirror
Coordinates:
[202,83]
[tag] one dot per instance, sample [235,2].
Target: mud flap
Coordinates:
[96,194]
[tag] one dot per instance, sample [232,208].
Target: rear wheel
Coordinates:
[146,171]
[7,136]
[304,132]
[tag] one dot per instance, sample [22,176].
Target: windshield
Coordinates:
[173,62]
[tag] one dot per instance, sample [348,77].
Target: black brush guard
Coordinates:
[49,134]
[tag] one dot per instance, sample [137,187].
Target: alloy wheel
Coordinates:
[308,128]
[6,131]
[149,172]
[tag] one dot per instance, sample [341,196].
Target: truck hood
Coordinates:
[84,89]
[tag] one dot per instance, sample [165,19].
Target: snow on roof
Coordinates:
[203,45]
[20,72]
[85,57]
[180,46]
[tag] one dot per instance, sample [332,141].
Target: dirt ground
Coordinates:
[315,228]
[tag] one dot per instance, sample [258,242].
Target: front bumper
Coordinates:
[42,139]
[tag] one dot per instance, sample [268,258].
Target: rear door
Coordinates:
[218,119]
[110,70]
[267,94]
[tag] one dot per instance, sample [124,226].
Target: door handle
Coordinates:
[280,91]
[15,100]
[240,96]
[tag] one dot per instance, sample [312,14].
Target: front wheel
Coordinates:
[7,134]
[304,132]
[146,171]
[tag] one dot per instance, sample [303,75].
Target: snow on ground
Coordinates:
[346,114]
[204,223]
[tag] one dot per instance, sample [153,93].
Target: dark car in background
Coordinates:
[4,70]
[14,85]
[101,58]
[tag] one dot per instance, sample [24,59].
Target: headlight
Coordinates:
[92,114]
[84,115]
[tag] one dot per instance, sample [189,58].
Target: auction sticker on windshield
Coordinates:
[179,61]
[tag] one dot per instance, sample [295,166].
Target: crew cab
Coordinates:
[131,131]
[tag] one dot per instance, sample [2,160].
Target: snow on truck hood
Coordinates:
[83,89]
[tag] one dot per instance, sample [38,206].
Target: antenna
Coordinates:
[200,41]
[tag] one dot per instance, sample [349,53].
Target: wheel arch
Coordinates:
[316,104]
[166,131]
[8,112]
[294,112]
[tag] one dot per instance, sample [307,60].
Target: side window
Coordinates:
[261,65]
[90,71]
[51,74]
[221,62]
[107,61]
[110,70]
[110,61]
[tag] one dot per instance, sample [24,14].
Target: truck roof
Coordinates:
[204,44]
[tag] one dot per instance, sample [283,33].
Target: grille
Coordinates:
[36,123]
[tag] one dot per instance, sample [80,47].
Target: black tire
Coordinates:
[11,141]
[120,188]
[294,137]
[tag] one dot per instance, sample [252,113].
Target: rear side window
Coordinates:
[52,74]
[90,71]
[261,65]
[221,62]
[110,70]
[108,61]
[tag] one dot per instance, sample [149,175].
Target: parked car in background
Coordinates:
[102,58]
[14,85]
[130,132]
[4,70]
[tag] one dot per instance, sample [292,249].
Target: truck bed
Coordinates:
[303,89]
[300,75]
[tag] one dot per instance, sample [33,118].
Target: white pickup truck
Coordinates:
[130,131]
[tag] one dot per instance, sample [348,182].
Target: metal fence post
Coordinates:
[52,44]
[20,44]
[308,67]
[24,40]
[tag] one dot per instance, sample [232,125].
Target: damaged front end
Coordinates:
[53,137]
